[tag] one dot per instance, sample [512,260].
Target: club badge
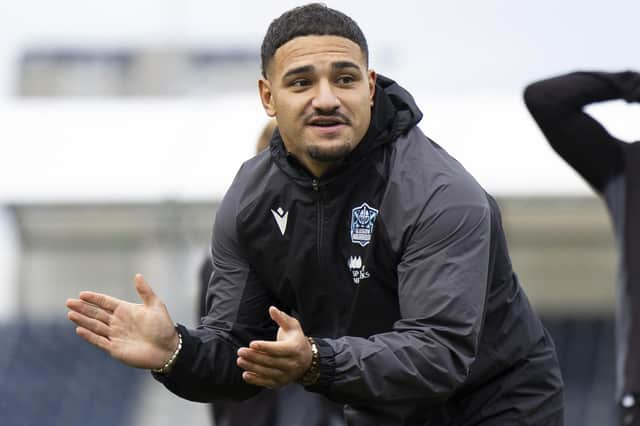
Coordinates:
[362,221]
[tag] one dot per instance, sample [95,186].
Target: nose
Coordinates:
[325,98]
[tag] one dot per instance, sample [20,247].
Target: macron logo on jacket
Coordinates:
[281,218]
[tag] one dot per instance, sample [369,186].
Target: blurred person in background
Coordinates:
[289,405]
[354,257]
[612,168]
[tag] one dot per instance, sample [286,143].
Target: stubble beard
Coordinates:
[330,154]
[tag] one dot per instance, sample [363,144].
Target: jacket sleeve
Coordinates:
[557,104]
[237,306]
[442,286]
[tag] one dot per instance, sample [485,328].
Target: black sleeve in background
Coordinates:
[204,275]
[557,104]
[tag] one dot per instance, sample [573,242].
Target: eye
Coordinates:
[299,83]
[345,79]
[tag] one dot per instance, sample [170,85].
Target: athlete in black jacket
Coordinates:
[610,166]
[385,259]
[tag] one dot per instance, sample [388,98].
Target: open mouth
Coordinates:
[326,122]
[328,125]
[327,128]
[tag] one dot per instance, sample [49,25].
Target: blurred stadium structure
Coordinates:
[116,155]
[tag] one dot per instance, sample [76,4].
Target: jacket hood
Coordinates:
[393,114]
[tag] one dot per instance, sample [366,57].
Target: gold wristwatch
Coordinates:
[311,376]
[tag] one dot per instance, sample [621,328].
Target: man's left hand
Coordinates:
[275,364]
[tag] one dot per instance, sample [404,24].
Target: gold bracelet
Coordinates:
[311,376]
[167,365]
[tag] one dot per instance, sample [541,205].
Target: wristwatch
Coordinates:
[311,376]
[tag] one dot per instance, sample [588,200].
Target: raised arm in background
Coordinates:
[557,105]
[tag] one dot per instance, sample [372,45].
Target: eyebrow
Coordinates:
[300,70]
[340,65]
[344,65]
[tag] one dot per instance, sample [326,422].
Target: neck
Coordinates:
[317,168]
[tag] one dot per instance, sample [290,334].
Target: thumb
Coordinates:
[284,321]
[144,291]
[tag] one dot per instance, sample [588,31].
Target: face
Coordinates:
[320,91]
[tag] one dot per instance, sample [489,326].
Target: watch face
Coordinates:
[311,376]
[628,401]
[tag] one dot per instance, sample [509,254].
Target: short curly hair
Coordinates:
[311,19]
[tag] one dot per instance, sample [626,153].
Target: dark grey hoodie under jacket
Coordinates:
[396,263]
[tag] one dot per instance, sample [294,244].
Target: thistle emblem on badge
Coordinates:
[362,221]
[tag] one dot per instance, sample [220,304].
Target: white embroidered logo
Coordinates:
[281,218]
[358,270]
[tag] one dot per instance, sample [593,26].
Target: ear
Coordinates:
[266,96]
[372,85]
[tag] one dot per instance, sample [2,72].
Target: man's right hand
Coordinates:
[141,336]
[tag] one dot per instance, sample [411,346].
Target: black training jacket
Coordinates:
[396,263]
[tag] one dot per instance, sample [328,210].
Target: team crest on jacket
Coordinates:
[358,270]
[362,220]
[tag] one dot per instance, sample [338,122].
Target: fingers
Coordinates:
[99,341]
[276,349]
[283,320]
[92,325]
[254,357]
[262,370]
[259,369]
[102,300]
[89,310]
[274,364]
[289,329]
[144,290]
[257,380]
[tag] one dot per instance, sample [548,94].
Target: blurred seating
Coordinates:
[586,353]
[51,377]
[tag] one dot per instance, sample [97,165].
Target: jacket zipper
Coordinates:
[320,218]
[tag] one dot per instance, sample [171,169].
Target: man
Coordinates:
[610,166]
[355,257]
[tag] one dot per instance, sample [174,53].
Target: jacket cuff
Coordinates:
[327,367]
[184,359]
[627,83]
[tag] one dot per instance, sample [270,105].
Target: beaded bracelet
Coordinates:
[167,365]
